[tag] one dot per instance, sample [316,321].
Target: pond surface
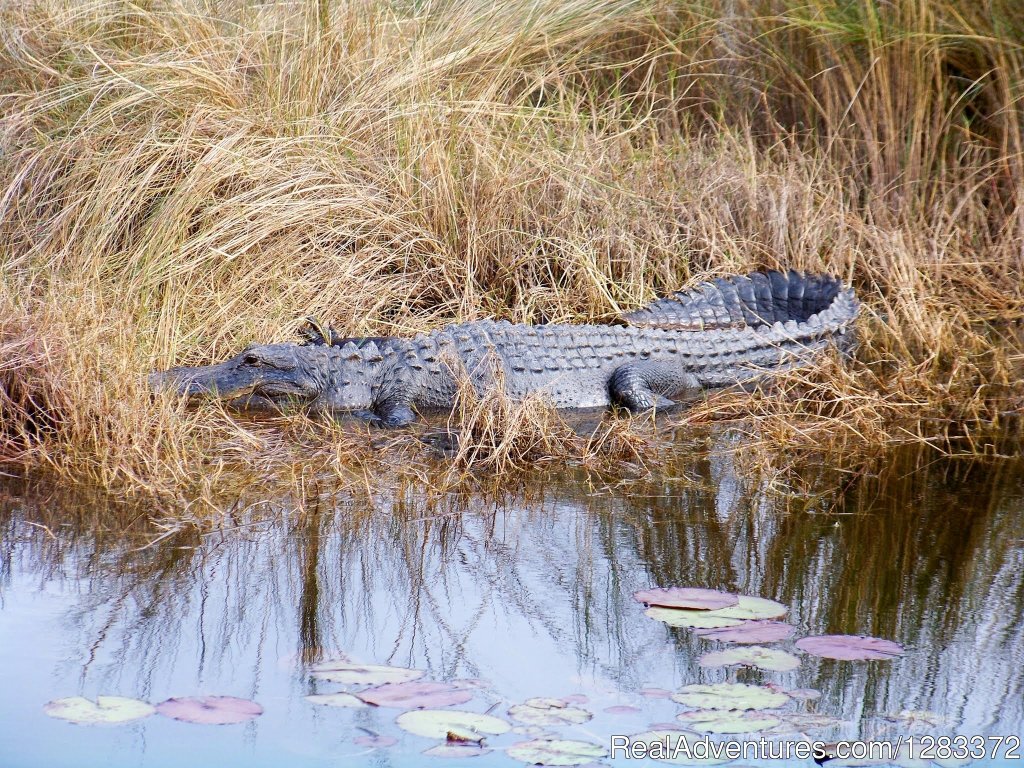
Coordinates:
[530,593]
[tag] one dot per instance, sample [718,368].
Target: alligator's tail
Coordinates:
[757,299]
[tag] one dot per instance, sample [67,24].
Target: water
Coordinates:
[529,592]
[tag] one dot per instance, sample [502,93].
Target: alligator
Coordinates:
[722,332]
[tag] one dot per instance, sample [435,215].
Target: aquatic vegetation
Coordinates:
[548,711]
[748,721]
[693,598]
[451,724]
[749,632]
[556,752]
[417,694]
[768,659]
[348,673]
[730,696]
[850,647]
[105,710]
[342,699]
[210,710]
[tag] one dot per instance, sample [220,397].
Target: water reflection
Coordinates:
[530,591]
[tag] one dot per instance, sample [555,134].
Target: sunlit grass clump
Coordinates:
[182,178]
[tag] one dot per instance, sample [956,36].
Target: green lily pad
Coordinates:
[669,754]
[711,721]
[363,674]
[751,656]
[449,723]
[677,617]
[336,700]
[753,608]
[105,710]
[555,752]
[545,711]
[727,696]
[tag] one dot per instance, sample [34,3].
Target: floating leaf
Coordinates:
[555,752]
[416,695]
[576,698]
[695,598]
[850,647]
[622,709]
[749,632]
[336,700]
[375,740]
[106,710]
[343,671]
[729,722]
[750,608]
[210,710]
[544,711]
[662,746]
[444,723]
[751,656]
[676,617]
[730,696]
[456,750]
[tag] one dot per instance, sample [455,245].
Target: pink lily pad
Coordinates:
[210,710]
[375,741]
[416,695]
[576,698]
[456,751]
[749,632]
[693,598]
[850,647]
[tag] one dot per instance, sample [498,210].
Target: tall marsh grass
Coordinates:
[181,177]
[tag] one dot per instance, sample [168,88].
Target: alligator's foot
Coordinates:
[639,386]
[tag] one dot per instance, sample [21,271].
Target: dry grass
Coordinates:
[179,178]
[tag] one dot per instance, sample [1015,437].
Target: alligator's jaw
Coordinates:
[265,375]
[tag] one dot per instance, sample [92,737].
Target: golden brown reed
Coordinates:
[180,178]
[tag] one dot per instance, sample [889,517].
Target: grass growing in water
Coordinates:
[182,178]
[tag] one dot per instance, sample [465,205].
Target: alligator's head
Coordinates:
[272,375]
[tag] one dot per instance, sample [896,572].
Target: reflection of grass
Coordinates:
[178,183]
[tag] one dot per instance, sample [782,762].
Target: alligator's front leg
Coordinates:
[642,385]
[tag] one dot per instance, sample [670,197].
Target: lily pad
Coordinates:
[210,710]
[695,598]
[544,711]
[336,700]
[768,659]
[416,695]
[622,709]
[749,632]
[751,608]
[693,754]
[729,722]
[105,710]
[449,723]
[676,617]
[850,647]
[347,673]
[729,696]
[456,750]
[555,752]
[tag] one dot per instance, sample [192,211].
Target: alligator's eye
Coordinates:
[251,359]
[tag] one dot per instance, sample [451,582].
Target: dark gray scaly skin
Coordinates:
[723,332]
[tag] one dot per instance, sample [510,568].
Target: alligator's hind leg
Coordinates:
[641,386]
